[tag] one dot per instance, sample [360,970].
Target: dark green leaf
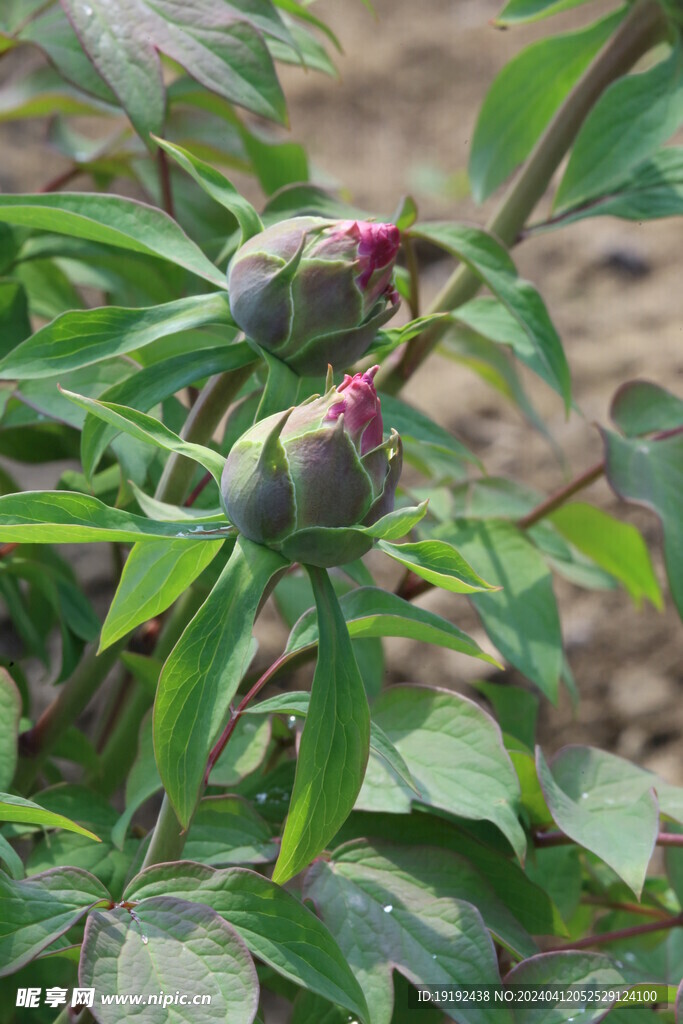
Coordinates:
[10,713]
[587,970]
[641,407]
[272,922]
[14,319]
[524,97]
[415,427]
[650,473]
[40,909]
[606,805]
[455,754]
[87,336]
[181,946]
[632,118]
[204,670]
[385,918]
[226,830]
[335,743]
[124,223]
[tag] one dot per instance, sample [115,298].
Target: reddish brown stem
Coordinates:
[627,908]
[239,711]
[58,182]
[165,183]
[559,497]
[7,549]
[623,933]
[557,838]
[205,480]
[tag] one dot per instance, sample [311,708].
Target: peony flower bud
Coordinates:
[320,464]
[313,291]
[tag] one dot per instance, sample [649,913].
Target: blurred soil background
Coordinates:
[399,120]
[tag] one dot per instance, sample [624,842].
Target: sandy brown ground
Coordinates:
[404,109]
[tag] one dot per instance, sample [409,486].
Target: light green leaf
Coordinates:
[181,946]
[632,118]
[617,547]
[63,517]
[155,574]
[490,261]
[533,10]
[439,563]
[16,808]
[384,918]
[606,805]
[83,337]
[521,618]
[247,748]
[296,704]
[335,743]
[454,752]
[371,612]
[40,909]
[650,473]
[398,523]
[203,671]
[145,428]
[10,714]
[218,187]
[273,923]
[167,513]
[524,97]
[124,223]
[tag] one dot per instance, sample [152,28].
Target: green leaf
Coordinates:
[218,187]
[454,752]
[10,714]
[11,859]
[142,782]
[521,618]
[419,430]
[651,190]
[371,612]
[203,671]
[617,547]
[155,574]
[44,93]
[384,918]
[587,970]
[439,563]
[487,258]
[604,804]
[641,407]
[335,742]
[490,319]
[182,946]
[148,386]
[247,748]
[15,324]
[227,830]
[217,46]
[650,473]
[516,710]
[145,428]
[16,808]
[296,703]
[40,909]
[631,119]
[524,97]
[124,223]
[62,517]
[532,10]
[84,337]
[273,923]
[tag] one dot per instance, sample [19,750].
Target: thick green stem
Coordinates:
[644,26]
[168,838]
[202,421]
[37,743]
[120,750]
